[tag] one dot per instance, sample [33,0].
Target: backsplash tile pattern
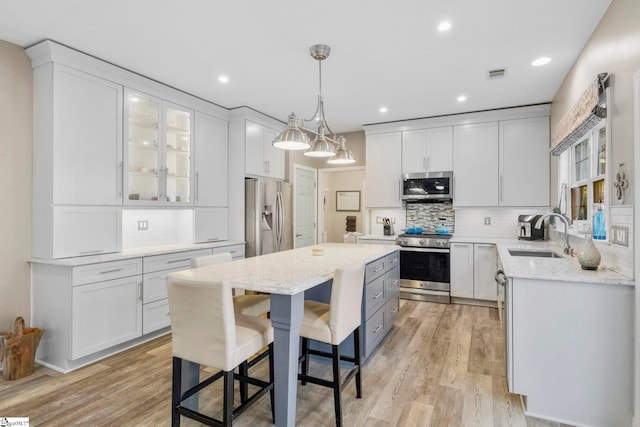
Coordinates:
[428,216]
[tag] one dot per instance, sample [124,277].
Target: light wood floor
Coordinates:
[441,365]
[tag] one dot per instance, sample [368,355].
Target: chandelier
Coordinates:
[296,134]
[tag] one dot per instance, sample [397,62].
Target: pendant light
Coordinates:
[295,137]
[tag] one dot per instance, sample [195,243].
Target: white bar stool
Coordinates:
[207,330]
[331,324]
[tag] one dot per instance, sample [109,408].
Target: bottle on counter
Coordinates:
[599,227]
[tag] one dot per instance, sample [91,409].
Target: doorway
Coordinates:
[304,216]
[332,223]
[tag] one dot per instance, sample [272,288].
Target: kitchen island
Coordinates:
[286,276]
[569,337]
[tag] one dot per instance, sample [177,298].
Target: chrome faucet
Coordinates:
[567,248]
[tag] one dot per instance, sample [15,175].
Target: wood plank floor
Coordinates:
[441,365]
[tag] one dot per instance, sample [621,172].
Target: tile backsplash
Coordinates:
[428,216]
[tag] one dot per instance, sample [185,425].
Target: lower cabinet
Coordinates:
[473,268]
[91,311]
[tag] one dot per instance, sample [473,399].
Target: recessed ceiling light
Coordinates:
[383,110]
[134,99]
[223,79]
[444,26]
[462,98]
[543,60]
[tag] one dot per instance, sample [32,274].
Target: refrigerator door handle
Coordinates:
[279,220]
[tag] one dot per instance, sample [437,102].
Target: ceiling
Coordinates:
[382,53]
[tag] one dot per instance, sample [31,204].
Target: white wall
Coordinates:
[15,183]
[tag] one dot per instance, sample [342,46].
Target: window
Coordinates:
[587,174]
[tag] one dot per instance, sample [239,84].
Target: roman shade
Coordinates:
[582,117]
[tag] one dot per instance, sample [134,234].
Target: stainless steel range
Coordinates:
[424,267]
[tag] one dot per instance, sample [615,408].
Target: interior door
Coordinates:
[305,214]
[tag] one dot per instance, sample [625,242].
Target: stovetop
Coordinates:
[424,240]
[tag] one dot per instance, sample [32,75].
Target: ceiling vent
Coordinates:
[498,73]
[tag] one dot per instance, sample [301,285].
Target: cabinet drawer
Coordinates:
[373,270]
[391,312]
[374,294]
[392,260]
[155,315]
[174,261]
[392,283]
[237,251]
[106,271]
[374,331]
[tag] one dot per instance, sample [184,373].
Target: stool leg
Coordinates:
[176,391]
[227,411]
[356,347]
[336,384]
[244,387]
[305,360]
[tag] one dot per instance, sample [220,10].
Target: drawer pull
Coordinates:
[394,283]
[378,269]
[376,330]
[214,239]
[393,261]
[394,311]
[173,261]
[140,290]
[376,296]
[115,270]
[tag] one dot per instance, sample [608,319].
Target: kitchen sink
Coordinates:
[538,253]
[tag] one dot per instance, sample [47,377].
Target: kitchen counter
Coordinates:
[566,269]
[134,253]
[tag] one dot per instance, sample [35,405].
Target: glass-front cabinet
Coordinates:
[158,152]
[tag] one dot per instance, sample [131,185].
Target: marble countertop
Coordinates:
[377,237]
[134,253]
[289,272]
[565,269]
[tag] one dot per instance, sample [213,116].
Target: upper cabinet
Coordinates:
[159,147]
[524,162]
[383,170]
[211,161]
[475,164]
[85,141]
[427,150]
[262,158]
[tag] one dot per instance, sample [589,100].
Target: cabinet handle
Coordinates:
[115,270]
[394,283]
[394,311]
[393,261]
[119,178]
[424,162]
[140,291]
[501,188]
[376,296]
[197,184]
[376,330]
[378,269]
[173,261]
[95,251]
[214,239]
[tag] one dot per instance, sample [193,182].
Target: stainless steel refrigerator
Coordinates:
[268,216]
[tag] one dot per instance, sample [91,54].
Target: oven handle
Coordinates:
[434,250]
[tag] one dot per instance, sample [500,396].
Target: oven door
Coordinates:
[426,268]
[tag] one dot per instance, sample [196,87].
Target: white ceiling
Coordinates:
[383,52]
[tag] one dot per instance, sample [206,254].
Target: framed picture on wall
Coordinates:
[347,201]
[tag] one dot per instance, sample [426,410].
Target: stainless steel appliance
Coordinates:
[427,186]
[268,216]
[424,267]
[527,229]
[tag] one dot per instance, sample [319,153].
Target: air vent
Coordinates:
[498,73]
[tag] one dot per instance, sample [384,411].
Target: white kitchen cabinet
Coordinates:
[475,164]
[461,264]
[261,157]
[383,170]
[83,230]
[210,224]
[427,150]
[237,251]
[524,162]
[158,151]
[87,138]
[105,314]
[211,161]
[473,268]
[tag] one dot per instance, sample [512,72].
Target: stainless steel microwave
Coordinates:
[427,186]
